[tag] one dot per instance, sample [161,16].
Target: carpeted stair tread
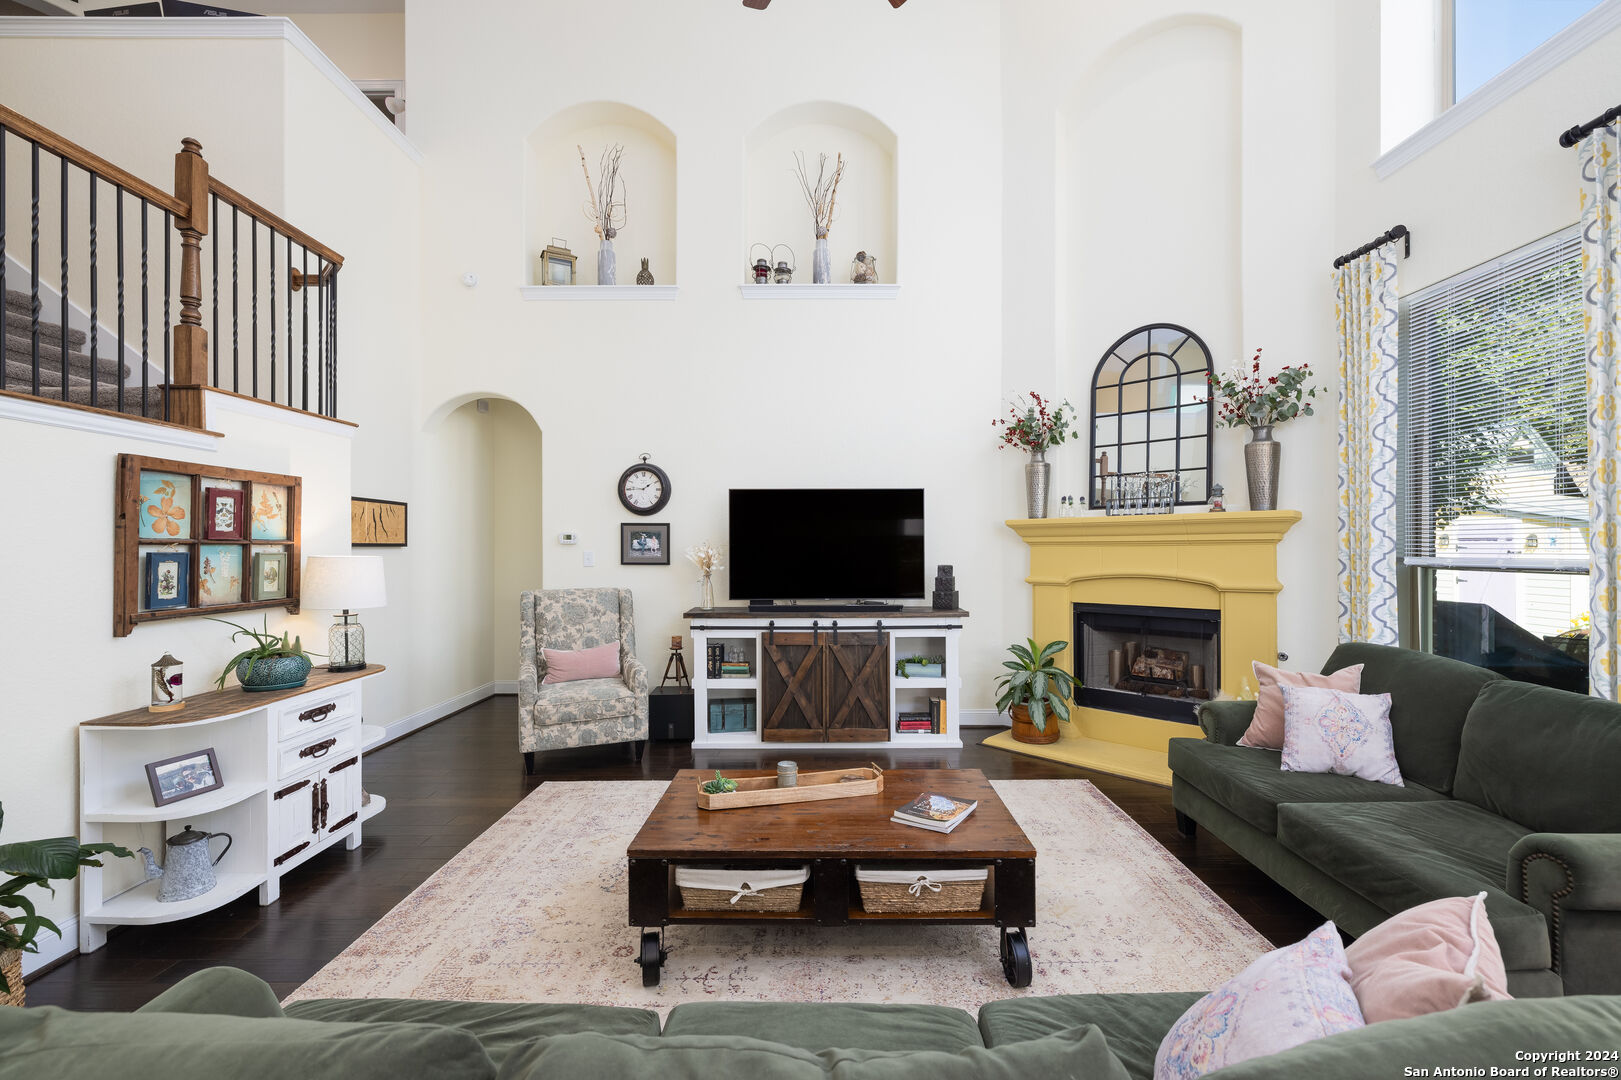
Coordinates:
[20,349]
[18,319]
[20,376]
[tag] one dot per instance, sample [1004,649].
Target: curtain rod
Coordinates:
[1576,134]
[1394,233]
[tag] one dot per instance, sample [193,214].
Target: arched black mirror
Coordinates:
[1149,413]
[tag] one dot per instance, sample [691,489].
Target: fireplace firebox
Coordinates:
[1146,661]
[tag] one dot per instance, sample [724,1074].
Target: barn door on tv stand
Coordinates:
[792,699]
[857,687]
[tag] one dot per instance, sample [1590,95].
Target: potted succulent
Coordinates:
[35,862]
[1035,690]
[274,663]
[920,667]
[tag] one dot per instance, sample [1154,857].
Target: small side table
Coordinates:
[669,713]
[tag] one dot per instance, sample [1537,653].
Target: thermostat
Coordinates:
[568,538]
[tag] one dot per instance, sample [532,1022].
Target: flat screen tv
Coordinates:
[826,544]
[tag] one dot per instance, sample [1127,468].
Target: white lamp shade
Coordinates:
[343,582]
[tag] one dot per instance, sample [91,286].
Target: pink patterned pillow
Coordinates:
[1430,958]
[1327,731]
[1292,996]
[1266,726]
[601,662]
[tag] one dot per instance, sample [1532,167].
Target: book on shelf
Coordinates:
[937,714]
[931,810]
[714,657]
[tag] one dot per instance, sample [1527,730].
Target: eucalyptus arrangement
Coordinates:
[37,862]
[1034,688]
[261,664]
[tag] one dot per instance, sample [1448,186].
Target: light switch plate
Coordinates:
[589,559]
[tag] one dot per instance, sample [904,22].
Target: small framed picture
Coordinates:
[643,543]
[556,264]
[270,510]
[219,578]
[182,777]
[377,523]
[222,514]
[168,580]
[270,575]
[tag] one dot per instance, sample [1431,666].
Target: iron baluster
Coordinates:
[253,298]
[2,253]
[146,312]
[304,261]
[34,274]
[332,395]
[64,323]
[214,270]
[236,374]
[289,320]
[95,326]
[272,314]
[168,373]
[320,337]
[118,202]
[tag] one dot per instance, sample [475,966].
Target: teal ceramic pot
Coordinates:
[273,673]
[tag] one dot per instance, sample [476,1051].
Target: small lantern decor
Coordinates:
[556,264]
[168,692]
[1217,499]
[783,273]
[761,268]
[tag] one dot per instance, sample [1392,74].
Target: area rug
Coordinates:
[535,910]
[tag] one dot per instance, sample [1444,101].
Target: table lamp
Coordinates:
[339,583]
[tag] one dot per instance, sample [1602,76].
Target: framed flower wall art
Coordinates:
[168,580]
[269,512]
[222,513]
[165,506]
[219,575]
[270,575]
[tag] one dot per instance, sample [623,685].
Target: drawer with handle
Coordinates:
[309,713]
[318,748]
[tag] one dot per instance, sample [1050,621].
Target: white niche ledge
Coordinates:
[819,292]
[599,292]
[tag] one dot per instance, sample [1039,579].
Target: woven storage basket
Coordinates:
[760,889]
[921,889]
[12,962]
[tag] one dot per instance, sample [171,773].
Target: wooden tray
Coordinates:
[812,787]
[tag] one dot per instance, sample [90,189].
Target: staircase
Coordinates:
[19,373]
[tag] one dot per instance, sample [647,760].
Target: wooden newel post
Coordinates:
[190,339]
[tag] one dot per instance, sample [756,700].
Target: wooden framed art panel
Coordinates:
[166,507]
[376,523]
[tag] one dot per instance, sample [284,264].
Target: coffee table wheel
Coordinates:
[1016,958]
[652,958]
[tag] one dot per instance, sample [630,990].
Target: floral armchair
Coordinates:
[587,712]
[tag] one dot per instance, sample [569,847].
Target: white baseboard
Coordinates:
[423,717]
[504,686]
[52,949]
[982,718]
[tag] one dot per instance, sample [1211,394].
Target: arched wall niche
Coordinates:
[555,192]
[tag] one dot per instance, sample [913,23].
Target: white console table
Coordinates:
[291,765]
[910,631]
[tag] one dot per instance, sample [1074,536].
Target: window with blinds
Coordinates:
[1493,426]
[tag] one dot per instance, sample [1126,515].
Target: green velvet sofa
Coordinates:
[224,1024]
[1510,788]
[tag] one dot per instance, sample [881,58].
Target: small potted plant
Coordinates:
[921,667]
[1035,690]
[35,862]
[274,663]
[1249,399]
[1033,425]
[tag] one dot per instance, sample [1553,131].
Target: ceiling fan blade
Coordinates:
[896,3]
[757,5]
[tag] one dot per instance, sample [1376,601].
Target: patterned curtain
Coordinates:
[1365,302]
[1600,155]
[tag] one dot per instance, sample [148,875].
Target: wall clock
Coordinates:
[644,488]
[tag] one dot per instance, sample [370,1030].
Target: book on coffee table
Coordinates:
[931,810]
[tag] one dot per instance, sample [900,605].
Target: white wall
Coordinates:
[364,45]
[1174,162]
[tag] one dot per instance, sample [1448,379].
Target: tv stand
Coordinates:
[771,607]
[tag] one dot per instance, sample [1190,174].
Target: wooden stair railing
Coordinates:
[40,360]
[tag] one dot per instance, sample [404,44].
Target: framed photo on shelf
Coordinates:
[184,776]
[222,514]
[643,543]
[168,580]
[270,575]
[376,523]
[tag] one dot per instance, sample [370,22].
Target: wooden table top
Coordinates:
[857,827]
[229,702]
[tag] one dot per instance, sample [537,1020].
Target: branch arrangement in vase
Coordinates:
[1250,399]
[1034,423]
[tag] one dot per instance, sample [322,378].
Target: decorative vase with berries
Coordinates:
[1260,403]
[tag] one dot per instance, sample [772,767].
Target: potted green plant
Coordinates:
[1034,690]
[35,862]
[274,663]
[920,667]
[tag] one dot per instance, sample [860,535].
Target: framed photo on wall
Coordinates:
[376,523]
[168,580]
[644,543]
[223,514]
[184,776]
[270,575]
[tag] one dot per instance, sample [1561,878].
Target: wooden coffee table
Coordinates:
[833,836]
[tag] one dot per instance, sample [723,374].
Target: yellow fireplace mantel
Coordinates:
[1226,562]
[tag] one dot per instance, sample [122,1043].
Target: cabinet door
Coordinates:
[295,818]
[857,687]
[340,792]
[791,691]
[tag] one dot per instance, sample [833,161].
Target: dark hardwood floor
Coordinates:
[449,782]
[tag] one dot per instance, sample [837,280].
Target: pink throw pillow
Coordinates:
[1266,728]
[1326,731]
[1299,993]
[601,662]
[1431,958]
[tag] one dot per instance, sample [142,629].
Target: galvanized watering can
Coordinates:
[187,870]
